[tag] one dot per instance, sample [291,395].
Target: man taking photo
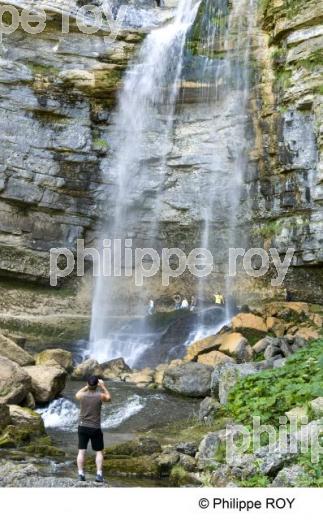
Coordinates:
[91,398]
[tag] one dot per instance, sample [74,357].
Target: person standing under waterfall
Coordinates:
[91,398]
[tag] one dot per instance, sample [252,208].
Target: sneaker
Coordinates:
[99,478]
[81,478]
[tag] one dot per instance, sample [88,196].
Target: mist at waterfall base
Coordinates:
[142,134]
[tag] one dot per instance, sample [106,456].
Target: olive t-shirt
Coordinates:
[90,413]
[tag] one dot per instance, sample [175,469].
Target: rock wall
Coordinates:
[57,94]
[287,186]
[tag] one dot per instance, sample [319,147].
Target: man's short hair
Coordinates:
[93,381]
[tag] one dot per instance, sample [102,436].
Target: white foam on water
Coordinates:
[134,405]
[61,414]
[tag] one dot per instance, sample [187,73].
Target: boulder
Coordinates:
[4,416]
[208,407]
[308,333]
[166,461]
[202,346]
[317,406]
[115,368]
[214,358]
[12,351]
[248,321]
[134,448]
[159,374]
[289,477]
[56,356]
[187,462]
[236,346]
[208,448]
[228,376]
[216,378]
[287,310]
[317,319]
[297,413]
[47,382]
[15,382]
[262,344]
[188,448]
[189,379]
[23,417]
[271,352]
[88,368]
[141,378]
[275,325]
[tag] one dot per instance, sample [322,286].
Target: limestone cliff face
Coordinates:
[57,94]
[287,188]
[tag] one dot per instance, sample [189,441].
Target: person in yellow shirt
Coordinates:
[219,299]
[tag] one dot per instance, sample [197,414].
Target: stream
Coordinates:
[133,411]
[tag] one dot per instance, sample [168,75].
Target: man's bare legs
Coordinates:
[99,462]
[80,461]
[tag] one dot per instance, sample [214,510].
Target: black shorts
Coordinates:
[96,436]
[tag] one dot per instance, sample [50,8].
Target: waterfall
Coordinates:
[225,43]
[140,134]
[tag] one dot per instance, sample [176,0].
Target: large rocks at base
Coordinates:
[202,346]
[47,382]
[159,374]
[208,407]
[15,382]
[134,448]
[187,448]
[12,351]
[11,473]
[236,346]
[276,326]
[115,368]
[4,416]
[213,445]
[214,358]
[166,461]
[141,378]
[23,417]
[308,333]
[224,379]
[189,379]
[248,321]
[88,368]
[289,477]
[56,356]
[250,325]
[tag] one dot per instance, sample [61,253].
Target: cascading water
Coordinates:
[140,135]
[224,37]
[143,138]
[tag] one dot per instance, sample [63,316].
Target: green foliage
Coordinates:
[255,481]
[314,472]
[271,393]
